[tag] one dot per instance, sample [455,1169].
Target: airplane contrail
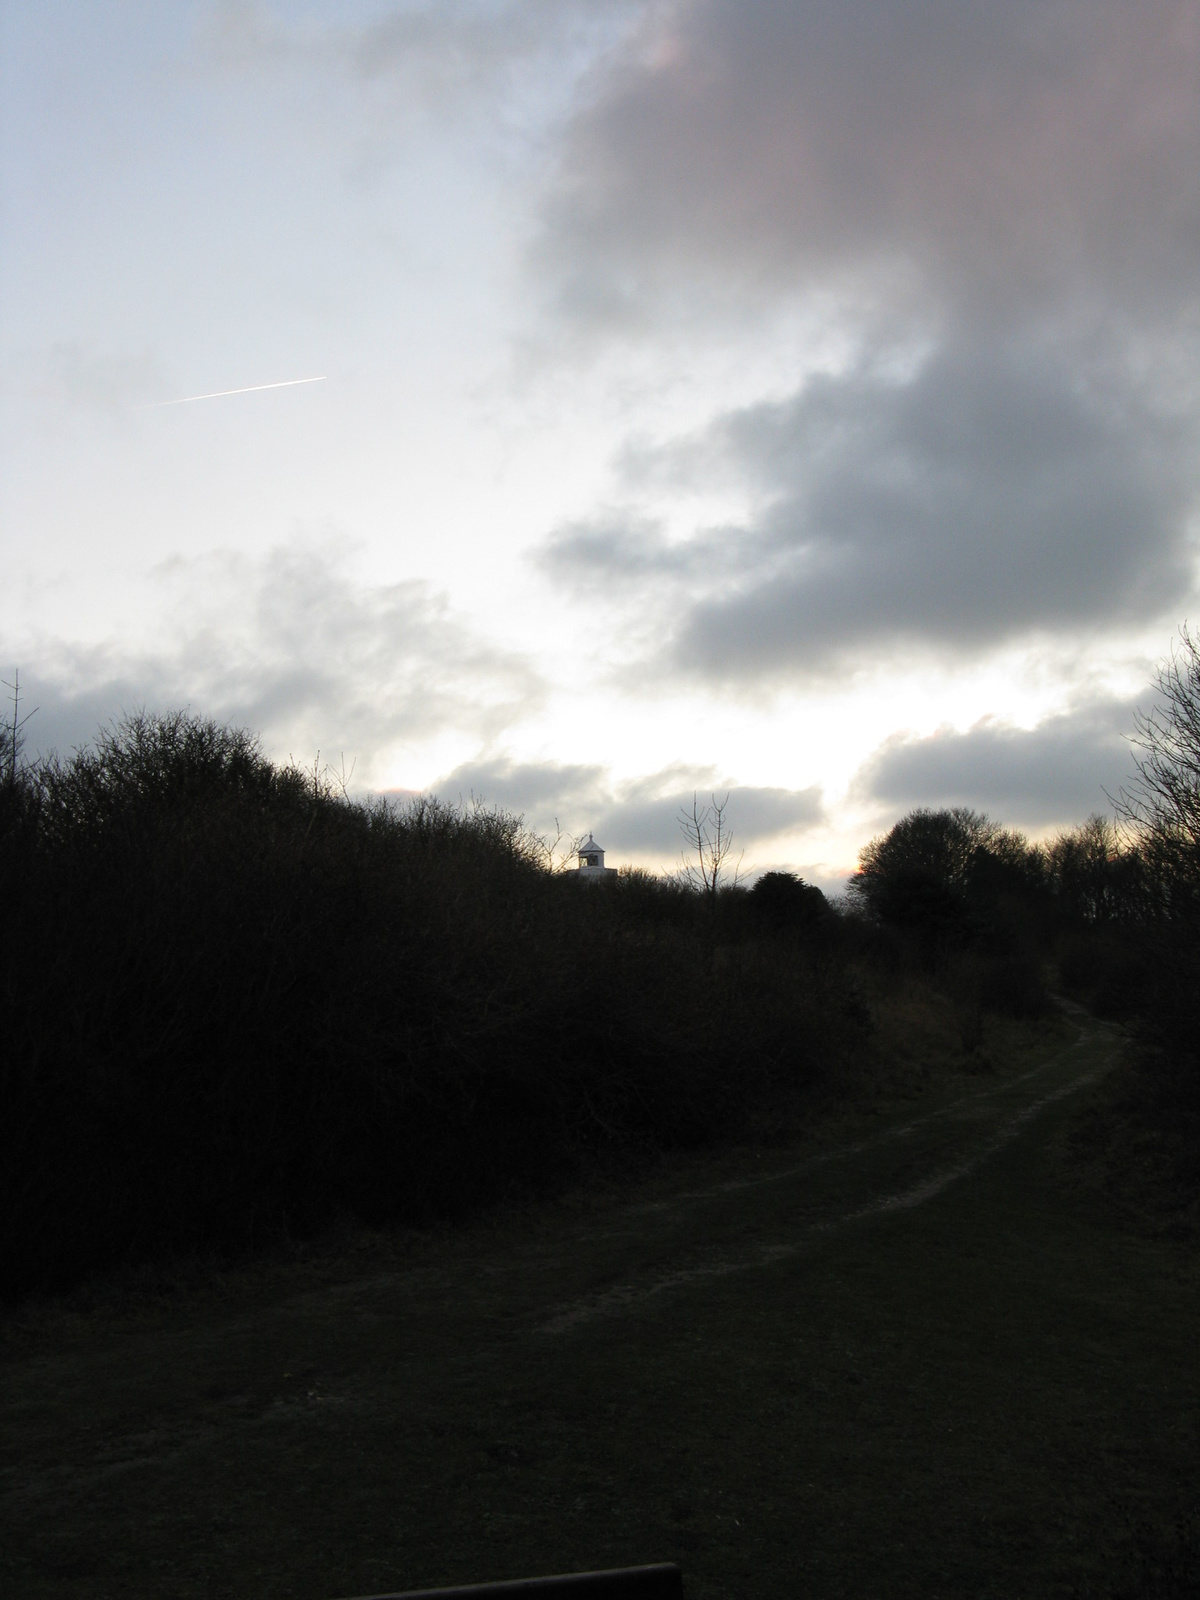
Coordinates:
[219,394]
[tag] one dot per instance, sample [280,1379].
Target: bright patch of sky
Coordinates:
[793,400]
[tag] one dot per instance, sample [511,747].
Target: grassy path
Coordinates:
[917,1361]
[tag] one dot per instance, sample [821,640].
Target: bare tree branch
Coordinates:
[709,845]
[10,733]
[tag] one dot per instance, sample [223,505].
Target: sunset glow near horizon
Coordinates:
[794,400]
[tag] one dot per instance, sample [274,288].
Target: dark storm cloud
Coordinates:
[295,649]
[1059,772]
[639,815]
[1008,147]
[991,495]
[996,492]
[1010,196]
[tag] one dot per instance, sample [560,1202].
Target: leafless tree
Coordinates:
[1161,810]
[557,853]
[10,733]
[709,845]
[1162,805]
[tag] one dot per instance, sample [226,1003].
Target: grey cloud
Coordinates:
[997,491]
[56,386]
[999,149]
[623,549]
[241,33]
[985,498]
[640,815]
[1017,186]
[637,820]
[465,43]
[539,789]
[102,381]
[295,649]
[1057,773]
[64,712]
[441,53]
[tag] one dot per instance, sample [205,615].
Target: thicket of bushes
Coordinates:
[1112,907]
[1093,908]
[1132,946]
[234,1002]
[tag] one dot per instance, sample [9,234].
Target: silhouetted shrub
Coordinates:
[1106,969]
[1096,879]
[1011,984]
[781,903]
[915,875]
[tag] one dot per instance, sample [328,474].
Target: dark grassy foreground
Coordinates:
[750,1364]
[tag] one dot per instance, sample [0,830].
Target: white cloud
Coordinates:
[293,647]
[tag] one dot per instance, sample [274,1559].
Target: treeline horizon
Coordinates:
[240,1005]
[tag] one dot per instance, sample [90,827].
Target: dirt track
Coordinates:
[953,1142]
[903,1361]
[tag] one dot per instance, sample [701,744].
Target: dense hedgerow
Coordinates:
[237,1003]
[1112,909]
[1111,913]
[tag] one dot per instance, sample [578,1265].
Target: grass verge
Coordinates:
[791,1388]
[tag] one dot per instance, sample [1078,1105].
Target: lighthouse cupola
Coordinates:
[591,859]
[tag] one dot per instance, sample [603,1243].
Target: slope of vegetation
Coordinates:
[237,1003]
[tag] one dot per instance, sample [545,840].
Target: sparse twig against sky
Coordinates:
[12,732]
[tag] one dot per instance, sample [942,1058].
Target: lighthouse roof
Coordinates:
[590,844]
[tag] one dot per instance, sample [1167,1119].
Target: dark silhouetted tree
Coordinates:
[781,903]
[916,876]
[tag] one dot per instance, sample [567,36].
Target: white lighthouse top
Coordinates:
[591,859]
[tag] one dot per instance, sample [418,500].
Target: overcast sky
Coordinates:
[799,400]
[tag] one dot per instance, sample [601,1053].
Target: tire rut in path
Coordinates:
[627,1296]
[175,1440]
